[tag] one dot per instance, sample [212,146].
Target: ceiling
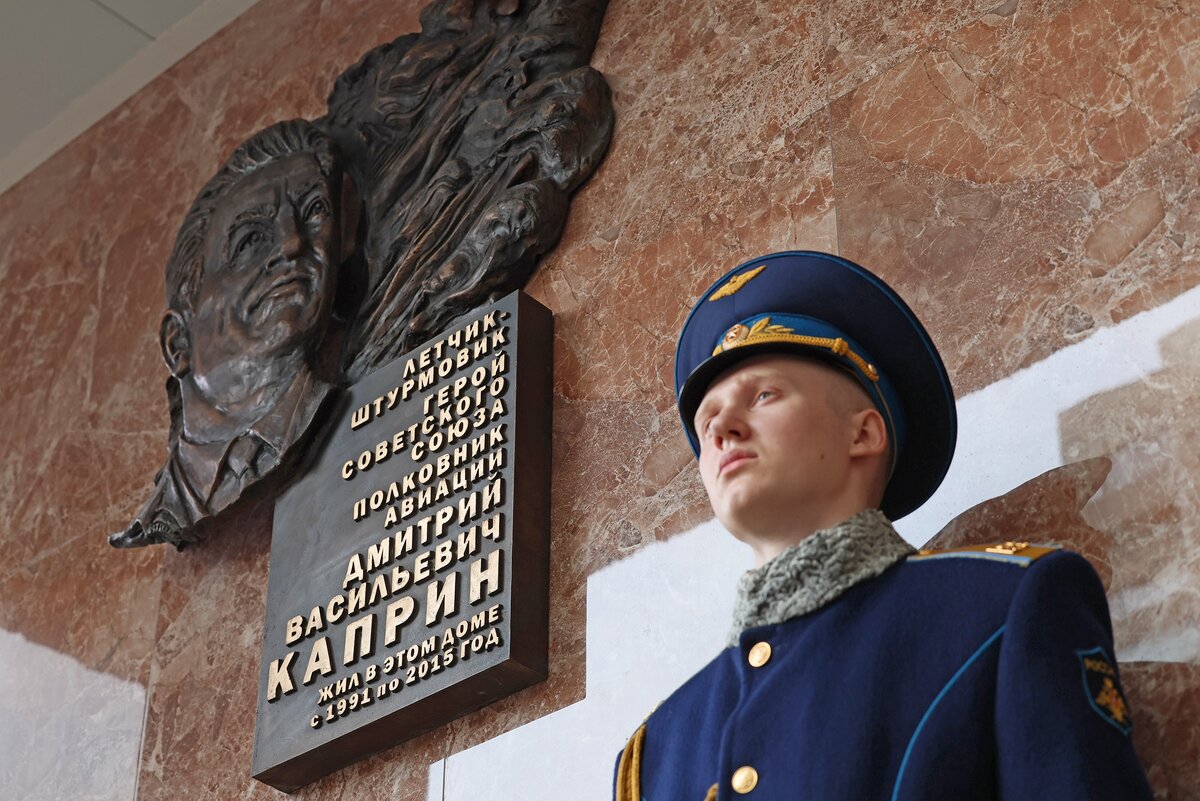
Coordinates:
[66,63]
[52,51]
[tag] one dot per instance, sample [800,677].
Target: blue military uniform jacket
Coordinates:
[951,675]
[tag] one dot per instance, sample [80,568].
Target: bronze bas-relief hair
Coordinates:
[277,141]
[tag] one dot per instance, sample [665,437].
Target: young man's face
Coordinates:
[775,443]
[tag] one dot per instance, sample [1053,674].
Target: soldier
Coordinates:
[858,668]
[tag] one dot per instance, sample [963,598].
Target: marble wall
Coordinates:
[1027,174]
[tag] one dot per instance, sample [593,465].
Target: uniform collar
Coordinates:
[817,570]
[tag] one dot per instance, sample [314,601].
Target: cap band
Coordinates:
[760,330]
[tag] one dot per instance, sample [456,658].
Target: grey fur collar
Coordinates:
[817,570]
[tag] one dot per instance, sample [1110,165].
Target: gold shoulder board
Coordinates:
[1018,553]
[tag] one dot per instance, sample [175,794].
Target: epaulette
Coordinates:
[1022,554]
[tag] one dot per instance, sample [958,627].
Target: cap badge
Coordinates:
[733,336]
[734,284]
[760,331]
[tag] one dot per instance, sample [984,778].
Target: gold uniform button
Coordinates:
[759,654]
[745,779]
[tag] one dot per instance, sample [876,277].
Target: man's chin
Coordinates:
[288,328]
[737,511]
[295,300]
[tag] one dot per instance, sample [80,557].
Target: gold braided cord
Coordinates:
[629,769]
[839,346]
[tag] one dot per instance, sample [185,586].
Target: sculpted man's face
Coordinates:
[775,446]
[268,280]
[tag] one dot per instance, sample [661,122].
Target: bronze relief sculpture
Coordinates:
[250,287]
[461,145]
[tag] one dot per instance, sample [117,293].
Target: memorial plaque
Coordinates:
[409,563]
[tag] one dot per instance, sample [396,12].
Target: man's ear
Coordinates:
[176,347]
[870,433]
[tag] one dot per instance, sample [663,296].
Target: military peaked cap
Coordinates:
[826,307]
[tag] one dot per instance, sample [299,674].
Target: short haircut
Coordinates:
[847,396]
[277,141]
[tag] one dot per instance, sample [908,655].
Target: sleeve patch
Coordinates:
[1103,689]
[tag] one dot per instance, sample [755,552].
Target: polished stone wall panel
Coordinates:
[1165,696]
[868,39]
[1024,172]
[1044,191]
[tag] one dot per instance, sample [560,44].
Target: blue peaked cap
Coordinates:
[825,307]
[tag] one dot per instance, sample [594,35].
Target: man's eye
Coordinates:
[317,210]
[249,241]
[766,394]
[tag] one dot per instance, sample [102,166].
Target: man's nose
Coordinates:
[289,237]
[727,426]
